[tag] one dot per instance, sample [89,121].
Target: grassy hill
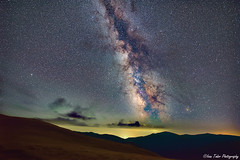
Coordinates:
[32,139]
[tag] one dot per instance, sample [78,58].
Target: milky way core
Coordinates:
[143,87]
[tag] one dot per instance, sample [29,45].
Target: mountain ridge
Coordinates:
[185,146]
[33,139]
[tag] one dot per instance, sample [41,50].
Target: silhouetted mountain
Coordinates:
[191,147]
[32,139]
[188,146]
[104,136]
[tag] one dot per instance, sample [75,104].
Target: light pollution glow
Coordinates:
[144,131]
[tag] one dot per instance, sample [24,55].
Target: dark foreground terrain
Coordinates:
[31,139]
[189,147]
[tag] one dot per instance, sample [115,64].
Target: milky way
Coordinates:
[143,86]
[156,62]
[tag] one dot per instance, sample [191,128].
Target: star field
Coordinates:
[61,49]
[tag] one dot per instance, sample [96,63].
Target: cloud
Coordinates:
[61,120]
[122,124]
[78,116]
[136,124]
[61,106]
[59,101]
[65,109]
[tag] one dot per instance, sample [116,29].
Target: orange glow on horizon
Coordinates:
[142,131]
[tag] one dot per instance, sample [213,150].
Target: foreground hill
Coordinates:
[191,147]
[31,139]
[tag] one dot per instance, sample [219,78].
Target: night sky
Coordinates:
[96,63]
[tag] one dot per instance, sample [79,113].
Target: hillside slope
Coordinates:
[32,139]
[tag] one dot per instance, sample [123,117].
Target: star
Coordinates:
[188,109]
[165,56]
